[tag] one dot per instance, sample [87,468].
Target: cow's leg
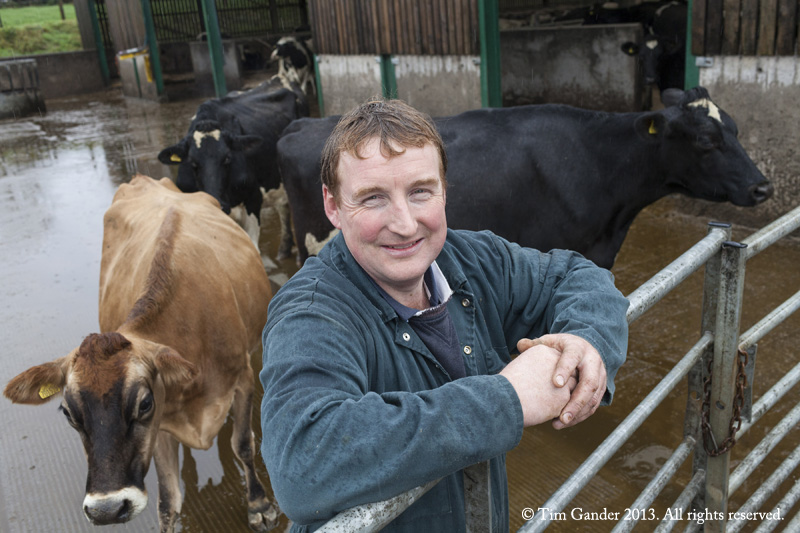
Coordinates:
[287,237]
[262,515]
[277,200]
[165,456]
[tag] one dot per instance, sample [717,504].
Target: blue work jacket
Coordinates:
[357,410]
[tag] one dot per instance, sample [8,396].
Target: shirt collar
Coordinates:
[436,285]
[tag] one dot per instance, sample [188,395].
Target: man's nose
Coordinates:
[402,221]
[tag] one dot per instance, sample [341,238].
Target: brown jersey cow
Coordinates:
[183,300]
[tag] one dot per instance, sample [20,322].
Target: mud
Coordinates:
[58,173]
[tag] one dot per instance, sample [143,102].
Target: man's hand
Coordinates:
[576,355]
[529,374]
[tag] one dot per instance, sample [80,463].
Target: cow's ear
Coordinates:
[38,384]
[173,368]
[630,48]
[246,143]
[650,126]
[173,155]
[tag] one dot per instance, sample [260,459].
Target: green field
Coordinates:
[38,30]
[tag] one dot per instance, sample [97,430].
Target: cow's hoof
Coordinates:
[264,517]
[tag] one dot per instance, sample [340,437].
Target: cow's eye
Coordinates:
[194,164]
[145,406]
[227,160]
[68,416]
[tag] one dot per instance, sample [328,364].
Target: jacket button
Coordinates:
[406,337]
[465,302]
[468,349]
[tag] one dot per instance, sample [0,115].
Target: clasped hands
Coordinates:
[558,377]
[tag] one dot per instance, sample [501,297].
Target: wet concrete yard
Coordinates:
[58,173]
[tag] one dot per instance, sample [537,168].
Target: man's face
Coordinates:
[391,214]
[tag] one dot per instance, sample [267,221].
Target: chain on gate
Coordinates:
[709,443]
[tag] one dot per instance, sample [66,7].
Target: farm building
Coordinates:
[447,56]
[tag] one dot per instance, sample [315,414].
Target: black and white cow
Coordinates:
[554,176]
[229,151]
[295,62]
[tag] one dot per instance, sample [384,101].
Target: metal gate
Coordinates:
[719,410]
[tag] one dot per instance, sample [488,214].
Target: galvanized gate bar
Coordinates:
[654,289]
[642,505]
[768,323]
[613,442]
[683,502]
[478,498]
[767,444]
[765,490]
[794,525]
[372,517]
[786,503]
[771,233]
[771,397]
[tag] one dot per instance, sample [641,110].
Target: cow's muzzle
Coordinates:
[114,508]
[761,191]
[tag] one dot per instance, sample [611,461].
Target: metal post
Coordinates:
[388,77]
[214,46]
[99,45]
[152,45]
[721,404]
[694,401]
[478,498]
[488,21]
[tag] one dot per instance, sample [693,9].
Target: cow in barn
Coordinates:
[295,62]
[183,300]
[230,152]
[553,176]
[663,56]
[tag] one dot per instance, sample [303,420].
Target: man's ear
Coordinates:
[331,209]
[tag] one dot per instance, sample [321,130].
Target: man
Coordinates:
[386,357]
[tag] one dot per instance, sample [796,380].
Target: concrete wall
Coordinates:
[762,95]
[347,81]
[582,66]
[68,73]
[437,85]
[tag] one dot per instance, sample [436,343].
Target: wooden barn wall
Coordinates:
[399,27]
[744,27]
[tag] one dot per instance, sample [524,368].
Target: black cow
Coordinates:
[663,56]
[553,176]
[230,151]
[295,62]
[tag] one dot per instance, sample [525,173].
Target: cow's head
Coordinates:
[113,390]
[699,153]
[212,159]
[649,55]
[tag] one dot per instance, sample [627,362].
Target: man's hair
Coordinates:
[394,122]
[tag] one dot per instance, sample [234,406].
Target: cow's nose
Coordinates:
[108,511]
[649,80]
[761,191]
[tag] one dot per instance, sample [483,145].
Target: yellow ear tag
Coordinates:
[45,391]
[652,130]
[175,158]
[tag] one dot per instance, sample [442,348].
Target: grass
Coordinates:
[38,30]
